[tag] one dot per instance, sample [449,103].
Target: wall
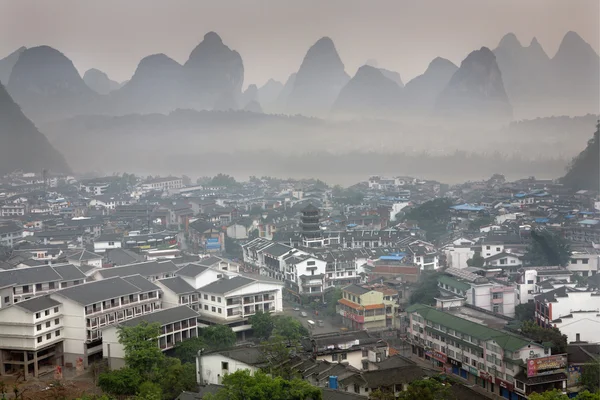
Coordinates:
[101,247]
[353,357]
[110,336]
[74,329]
[458,256]
[211,367]
[586,324]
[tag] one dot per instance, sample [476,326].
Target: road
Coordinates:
[328,325]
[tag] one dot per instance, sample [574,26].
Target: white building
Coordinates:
[177,292]
[212,367]
[13,210]
[162,184]
[85,257]
[530,278]
[31,336]
[107,242]
[584,263]
[151,270]
[350,348]
[176,325]
[10,234]
[92,306]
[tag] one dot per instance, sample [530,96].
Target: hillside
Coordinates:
[584,170]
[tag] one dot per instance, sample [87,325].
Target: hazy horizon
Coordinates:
[273,37]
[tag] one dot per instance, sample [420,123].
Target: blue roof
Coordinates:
[519,195]
[467,207]
[569,216]
[590,222]
[351,225]
[542,220]
[390,258]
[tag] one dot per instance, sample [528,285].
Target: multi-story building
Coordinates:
[490,358]
[176,292]
[163,184]
[574,311]
[232,300]
[151,270]
[584,263]
[528,282]
[350,348]
[492,295]
[13,210]
[176,325]
[369,308]
[10,234]
[31,336]
[92,306]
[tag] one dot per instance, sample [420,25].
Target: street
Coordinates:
[328,325]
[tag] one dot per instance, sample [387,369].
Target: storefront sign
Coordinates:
[454,362]
[546,365]
[486,376]
[504,384]
[474,371]
[441,357]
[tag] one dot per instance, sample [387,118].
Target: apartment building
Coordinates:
[369,308]
[355,349]
[489,294]
[177,292]
[151,270]
[530,279]
[575,311]
[94,305]
[10,234]
[24,283]
[31,336]
[584,262]
[231,300]
[490,358]
[176,325]
[162,184]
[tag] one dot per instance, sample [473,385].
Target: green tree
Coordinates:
[539,334]
[149,391]
[432,216]
[223,180]
[547,249]
[176,377]
[549,395]
[586,395]
[427,389]
[218,337]
[262,324]
[476,261]
[187,350]
[477,223]
[379,394]
[121,382]
[590,376]
[140,345]
[276,352]
[289,328]
[426,289]
[525,312]
[332,297]
[241,385]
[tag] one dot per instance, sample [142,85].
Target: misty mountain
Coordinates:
[286,91]
[268,94]
[7,64]
[369,92]
[422,92]
[23,146]
[45,83]
[476,90]
[253,106]
[215,74]
[576,69]
[99,82]
[249,95]
[319,80]
[584,170]
[158,85]
[393,75]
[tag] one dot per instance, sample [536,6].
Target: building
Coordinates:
[31,336]
[349,348]
[90,307]
[574,311]
[211,367]
[85,257]
[162,184]
[176,292]
[10,234]
[206,237]
[95,187]
[490,358]
[176,325]
[369,308]
[151,270]
[584,263]
[13,210]
[107,241]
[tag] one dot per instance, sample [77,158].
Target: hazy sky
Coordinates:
[273,35]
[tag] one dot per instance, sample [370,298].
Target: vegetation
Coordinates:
[223,180]
[426,289]
[332,297]
[590,376]
[241,385]
[525,312]
[288,328]
[148,374]
[427,389]
[218,337]
[432,216]
[347,196]
[476,261]
[262,324]
[558,395]
[583,172]
[476,224]
[547,249]
[539,334]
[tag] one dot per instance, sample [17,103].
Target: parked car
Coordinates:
[303,314]
[296,308]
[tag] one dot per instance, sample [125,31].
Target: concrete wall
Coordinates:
[586,324]
[212,371]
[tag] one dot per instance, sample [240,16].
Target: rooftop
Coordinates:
[177,285]
[148,268]
[164,317]
[97,291]
[38,304]
[226,285]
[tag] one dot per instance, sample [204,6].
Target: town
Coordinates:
[485,289]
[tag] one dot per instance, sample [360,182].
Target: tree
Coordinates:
[426,290]
[476,224]
[187,350]
[187,181]
[289,328]
[262,324]
[590,376]
[586,395]
[378,394]
[539,334]
[547,249]
[476,261]
[121,382]
[276,352]
[140,345]
[218,337]
[332,297]
[149,391]
[549,395]
[427,389]
[241,385]
[176,377]
[223,180]
[432,216]
[525,312]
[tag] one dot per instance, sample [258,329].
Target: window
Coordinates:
[205,297]
[218,299]
[310,262]
[205,307]
[55,309]
[39,327]
[585,261]
[37,315]
[38,286]
[57,333]
[7,300]
[334,357]
[48,324]
[219,310]
[213,309]
[356,388]
[39,339]
[344,356]
[365,353]
[47,312]
[530,282]
[487,247]
[473,362]
[56,321]
[51,285]
[48,336]
[498,249]
[212,298]
[224,366]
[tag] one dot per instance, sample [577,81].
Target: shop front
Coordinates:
[455,365]
[437,358]
[506,389]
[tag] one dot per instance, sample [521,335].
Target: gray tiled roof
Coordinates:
[163,317]
[192,270]
[84,255]
[177,285]
[225,285]
[123,256]
[209,262]
[38,304]
[144,284]
[149,268]
[96,291]
[24,276]
[69,272]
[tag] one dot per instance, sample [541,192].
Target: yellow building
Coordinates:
[369,307]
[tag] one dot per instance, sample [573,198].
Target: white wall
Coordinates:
[74,332]
[586,324]
[458,256]
[101,247]
[211,368]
